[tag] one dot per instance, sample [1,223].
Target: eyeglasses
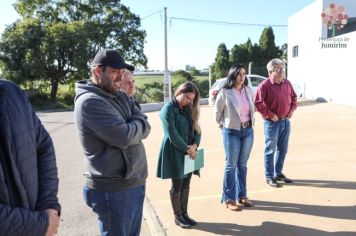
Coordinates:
[279,70]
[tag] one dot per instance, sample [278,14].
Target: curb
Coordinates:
[154,225]
[55,110]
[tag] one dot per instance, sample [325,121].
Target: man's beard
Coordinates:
[108,85]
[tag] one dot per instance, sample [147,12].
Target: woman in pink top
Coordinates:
[234,112]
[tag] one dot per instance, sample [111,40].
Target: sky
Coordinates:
[193,42]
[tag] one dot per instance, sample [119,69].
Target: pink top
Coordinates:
[243,104]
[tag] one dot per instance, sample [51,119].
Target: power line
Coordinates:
[223,22]
[154,13]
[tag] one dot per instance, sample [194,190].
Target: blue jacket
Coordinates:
[29,152]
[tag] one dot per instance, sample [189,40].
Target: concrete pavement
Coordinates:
[321,160]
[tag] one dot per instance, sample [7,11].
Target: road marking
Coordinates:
[265,190]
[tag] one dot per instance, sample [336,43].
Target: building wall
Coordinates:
[327,73]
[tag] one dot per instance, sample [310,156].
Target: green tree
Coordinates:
[221,64]
[284,51]
[55,39]
[179,77]
[248,46]
[239,54]
[256,54]
[194,72]
[267,46]
[182,73]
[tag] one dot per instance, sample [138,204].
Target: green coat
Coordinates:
[175,124]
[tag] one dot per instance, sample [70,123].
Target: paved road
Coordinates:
[321,160]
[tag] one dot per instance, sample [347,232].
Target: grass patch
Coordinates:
[140,81]
[66,93]
[65,99]
[41,103]
[202,78]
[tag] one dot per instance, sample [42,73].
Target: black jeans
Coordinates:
[179,184]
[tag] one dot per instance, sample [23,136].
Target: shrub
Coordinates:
[203,86]
[150,92]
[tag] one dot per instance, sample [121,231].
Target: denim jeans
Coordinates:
[276,146]
[119,213]
[237,145]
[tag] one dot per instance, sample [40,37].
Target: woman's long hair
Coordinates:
[189,87]
[232,75]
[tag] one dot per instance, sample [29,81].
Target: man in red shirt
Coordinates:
[276,101]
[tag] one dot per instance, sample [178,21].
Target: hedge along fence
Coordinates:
[150,88]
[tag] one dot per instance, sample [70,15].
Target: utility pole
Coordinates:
[209,78]
[167,78]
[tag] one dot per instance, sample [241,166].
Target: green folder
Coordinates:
[191,165]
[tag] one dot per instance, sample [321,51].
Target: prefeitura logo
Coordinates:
[334,17]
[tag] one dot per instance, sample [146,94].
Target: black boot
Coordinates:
[178,217]
[184,196]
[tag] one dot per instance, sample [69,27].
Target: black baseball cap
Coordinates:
[110,57]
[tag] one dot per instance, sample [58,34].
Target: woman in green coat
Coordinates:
[181,137]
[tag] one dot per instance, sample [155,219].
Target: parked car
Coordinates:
[253,82]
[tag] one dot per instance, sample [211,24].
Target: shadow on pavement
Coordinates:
[336,212]
[266,229]
[325,184]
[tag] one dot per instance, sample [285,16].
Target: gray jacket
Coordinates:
[27,159]
[110,129]
[227,108]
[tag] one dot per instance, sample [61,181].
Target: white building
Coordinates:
[323,65]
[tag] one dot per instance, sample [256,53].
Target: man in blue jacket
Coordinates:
[111,129]
[28,172]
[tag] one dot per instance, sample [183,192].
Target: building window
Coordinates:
[295,51]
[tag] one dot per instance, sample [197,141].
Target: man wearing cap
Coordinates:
[276,101]
[128,86]
[111,129]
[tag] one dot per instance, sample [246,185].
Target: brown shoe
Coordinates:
[232,205]
[245,202]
